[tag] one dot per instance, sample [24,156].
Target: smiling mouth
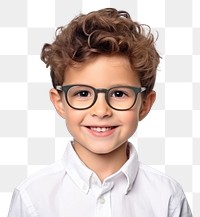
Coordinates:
[100,129]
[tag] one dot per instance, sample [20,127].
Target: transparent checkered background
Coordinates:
[31,133]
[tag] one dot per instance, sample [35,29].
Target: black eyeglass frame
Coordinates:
[66,88]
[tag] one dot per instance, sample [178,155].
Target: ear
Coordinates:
[57,101]
[147,103]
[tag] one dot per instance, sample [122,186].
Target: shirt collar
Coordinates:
[130,168]
[76,169]
[82,175]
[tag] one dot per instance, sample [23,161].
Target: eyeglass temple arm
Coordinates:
[143,89]
[59,87]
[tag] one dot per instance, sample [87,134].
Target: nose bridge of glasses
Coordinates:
[100,98]
[101,90]
[104,91]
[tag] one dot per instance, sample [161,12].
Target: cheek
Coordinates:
[130,120]
[73,118]
[71,123]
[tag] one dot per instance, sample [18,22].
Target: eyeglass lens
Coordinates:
[80,97]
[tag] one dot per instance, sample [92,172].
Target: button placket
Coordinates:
[102,192]
[103,206]
[102,200]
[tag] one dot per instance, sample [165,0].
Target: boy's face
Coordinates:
[101,129]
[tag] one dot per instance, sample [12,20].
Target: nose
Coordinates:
[101,109]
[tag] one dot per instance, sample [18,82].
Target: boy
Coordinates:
[103,69]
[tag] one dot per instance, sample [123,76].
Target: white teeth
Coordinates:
[100,129]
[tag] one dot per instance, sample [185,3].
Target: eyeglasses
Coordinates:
[82,97]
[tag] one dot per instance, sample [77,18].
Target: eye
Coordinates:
[121,93]
[80,92]
[83,93]
[118,93]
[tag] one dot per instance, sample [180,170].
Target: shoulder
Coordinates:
[36,189]
[158,178]
[150,171]
[158,188]
[44,177]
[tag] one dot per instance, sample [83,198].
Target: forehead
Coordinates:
[102,71]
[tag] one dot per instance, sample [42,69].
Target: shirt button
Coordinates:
[84,187]
[102,200]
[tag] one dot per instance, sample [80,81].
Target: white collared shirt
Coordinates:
[69,189]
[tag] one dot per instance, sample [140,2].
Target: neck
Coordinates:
[103,165]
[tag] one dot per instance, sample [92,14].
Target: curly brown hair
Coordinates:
[103,32]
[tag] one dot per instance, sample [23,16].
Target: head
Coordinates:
[102,49]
